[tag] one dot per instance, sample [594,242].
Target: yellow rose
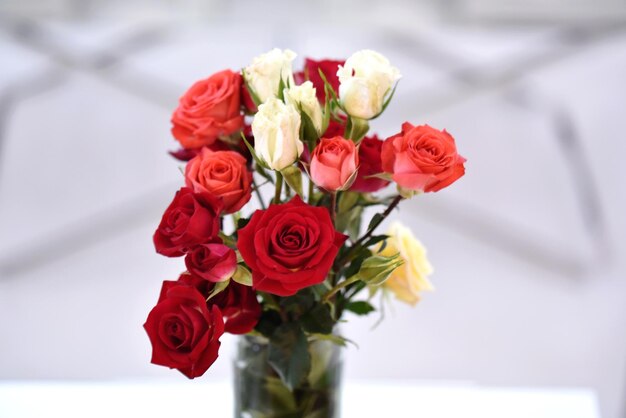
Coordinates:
[411,278]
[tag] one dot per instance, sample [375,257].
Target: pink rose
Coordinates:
[422,158]
[214,262]
[334,163]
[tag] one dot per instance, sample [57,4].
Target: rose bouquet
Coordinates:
[285,274]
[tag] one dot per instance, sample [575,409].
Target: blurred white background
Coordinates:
[528,247]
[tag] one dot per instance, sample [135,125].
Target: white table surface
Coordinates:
[389,399]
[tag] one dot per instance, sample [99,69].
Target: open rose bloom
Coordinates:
[279,168]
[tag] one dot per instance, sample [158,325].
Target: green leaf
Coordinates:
[257,159]
[334,338]
[355,265]
[288,354]
[375,221]
[347,201]
[354,225]
[387,101]
[219,288]
[242,222]
[382,176]
[318,320]
[242,276]
[308,132]
[293,176]
[350,221]
[228,240]
[375,240]
[281,89]
[253,95]
[281,397]
[360,307]
[259,169]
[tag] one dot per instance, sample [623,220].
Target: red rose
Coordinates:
[238,303]
[183,331]
[329,68]
[191,219]
[334,129]
[223,174]
[208,110]
[214,262]
[422,158]
[370,164]
[289,247]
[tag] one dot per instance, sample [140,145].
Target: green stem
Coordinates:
[338,287]
[333,206]
[258,193]
[279,187]
[311,184]
[369,233]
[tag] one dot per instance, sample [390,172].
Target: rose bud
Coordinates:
[303,97]
[276,130]
[214,262]
[210,109]
[366,80]
[263,76]
[289,247]
[191,219]
[334,163]
[370,163]
[421,158]
[239,306]
[183,331]
[329,69]
[411,278]
[223,174]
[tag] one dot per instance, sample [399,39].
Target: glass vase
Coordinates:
[260,393]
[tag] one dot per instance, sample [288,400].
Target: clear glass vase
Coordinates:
[259,392]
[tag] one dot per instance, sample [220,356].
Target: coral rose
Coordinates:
[421,158]
[289,247]
[223,174]
[210,109]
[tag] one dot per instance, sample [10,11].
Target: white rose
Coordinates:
[304,96]
[264,74]
[276,130]
[365,80]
